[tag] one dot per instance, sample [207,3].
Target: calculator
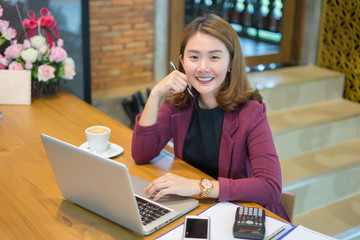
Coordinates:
[249,223]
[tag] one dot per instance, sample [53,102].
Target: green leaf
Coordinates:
[60,71]
[2,41]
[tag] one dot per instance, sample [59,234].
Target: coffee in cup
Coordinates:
[98,138]
[98,130]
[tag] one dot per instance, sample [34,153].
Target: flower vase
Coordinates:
[44,89]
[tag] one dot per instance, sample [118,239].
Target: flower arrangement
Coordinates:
[45,64]
[7,33]
[46,58]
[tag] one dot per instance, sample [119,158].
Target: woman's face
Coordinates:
[206,62]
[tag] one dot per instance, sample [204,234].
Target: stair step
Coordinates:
[317,136]
[325,189]
[290,87]
[334,218]
[305,166]
[315,126]
[314,114]
[323,176]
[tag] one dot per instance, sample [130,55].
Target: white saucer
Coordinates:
[113,150]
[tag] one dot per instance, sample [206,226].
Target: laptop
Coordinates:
[105,187]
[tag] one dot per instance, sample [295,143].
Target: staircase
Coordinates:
[317,136]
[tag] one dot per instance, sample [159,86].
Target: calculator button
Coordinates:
[249,222]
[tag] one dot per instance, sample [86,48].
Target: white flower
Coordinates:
[69,61]
[43,48]
[30,55]
[37,41]
[69,68]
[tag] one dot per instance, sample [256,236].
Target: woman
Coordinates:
[222,130]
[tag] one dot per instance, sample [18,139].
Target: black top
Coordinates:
[202,141]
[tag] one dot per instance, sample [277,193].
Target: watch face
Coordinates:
[206,183]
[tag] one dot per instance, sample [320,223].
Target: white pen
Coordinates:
[173,66]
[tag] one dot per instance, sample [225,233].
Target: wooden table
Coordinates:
[30,201]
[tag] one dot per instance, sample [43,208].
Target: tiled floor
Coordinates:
[110,101]
[113,108]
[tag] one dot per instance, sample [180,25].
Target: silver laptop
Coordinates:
[105,187]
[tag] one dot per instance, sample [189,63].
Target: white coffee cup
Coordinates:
[98,138]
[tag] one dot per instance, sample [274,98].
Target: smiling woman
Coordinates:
[206,62]
[222,131]
[236,89]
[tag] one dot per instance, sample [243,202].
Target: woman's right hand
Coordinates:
[175,82]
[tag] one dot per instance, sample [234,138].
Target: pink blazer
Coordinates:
[249,168]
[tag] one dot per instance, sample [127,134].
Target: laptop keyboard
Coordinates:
[149,211]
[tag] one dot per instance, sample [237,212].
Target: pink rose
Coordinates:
[28,65]
[9,33]
[3,61]
[46,72]
[57,54]
[4,25]
[15,66]
[6,31]
[14,50]
[60,43]
[27,44]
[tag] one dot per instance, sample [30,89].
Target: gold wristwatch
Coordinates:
[206,187]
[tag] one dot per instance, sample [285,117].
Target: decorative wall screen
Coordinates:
[339,45]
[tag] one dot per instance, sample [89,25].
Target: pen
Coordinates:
[173,66]
[279,233]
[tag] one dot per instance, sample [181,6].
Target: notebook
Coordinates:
[105,187]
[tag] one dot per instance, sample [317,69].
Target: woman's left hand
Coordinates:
[172,184]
